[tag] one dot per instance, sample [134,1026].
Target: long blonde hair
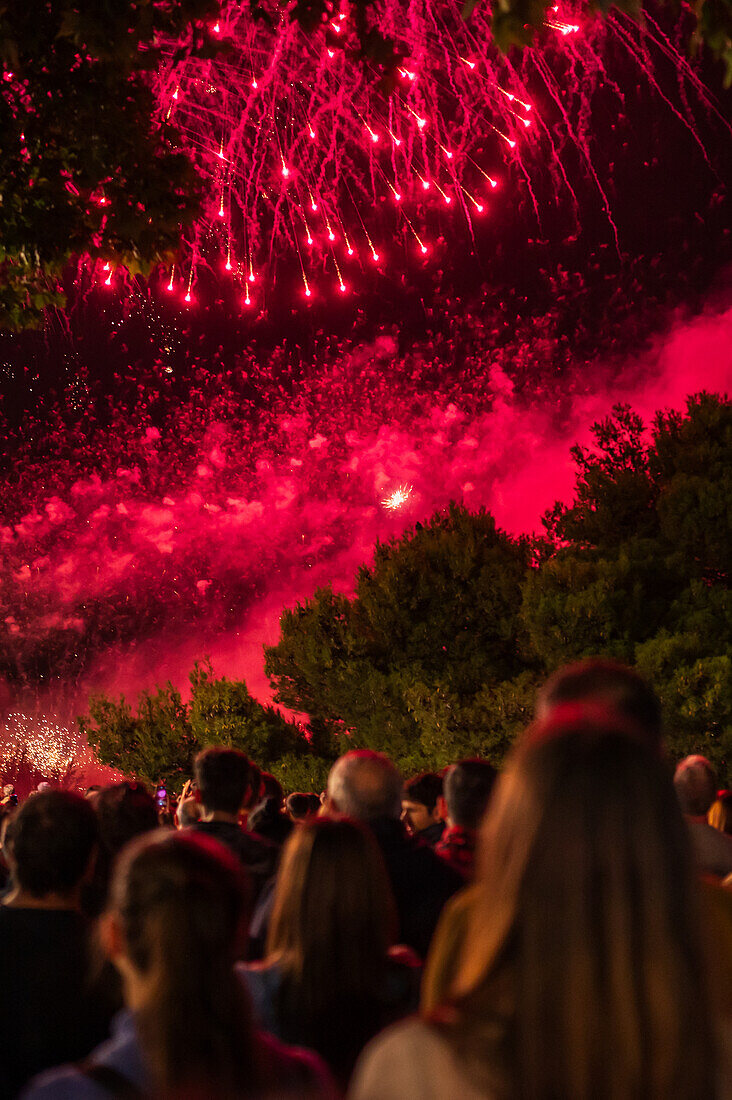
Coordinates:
[582,974]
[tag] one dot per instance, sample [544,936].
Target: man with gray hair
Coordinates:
[366,786]
[696,790]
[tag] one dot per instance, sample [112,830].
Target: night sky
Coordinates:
[175,473]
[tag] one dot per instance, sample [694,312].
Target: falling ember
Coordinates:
[398,498]
[319,126]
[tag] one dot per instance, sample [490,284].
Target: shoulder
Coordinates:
[263,980]
[120,1054]
[66,1083]
[409,1061]
[295,1069]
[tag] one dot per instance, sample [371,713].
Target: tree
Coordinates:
[158,742]
[639,566]
[85,168]
[432,623]
[440,650]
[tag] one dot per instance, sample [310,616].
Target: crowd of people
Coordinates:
[559,929]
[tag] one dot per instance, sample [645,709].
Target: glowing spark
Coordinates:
[398,498]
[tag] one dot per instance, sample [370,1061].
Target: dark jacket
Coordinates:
[259,856]
[47,1012]
[421,881]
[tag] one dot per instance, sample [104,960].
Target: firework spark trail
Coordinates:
[286,121]
[637,52]
[39,745]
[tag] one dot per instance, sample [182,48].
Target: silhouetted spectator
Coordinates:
[302,806]
[582,973]
[225,778]
[269,821]
[268,817]
[609,685]
[366,786]
[467,790]
[46,1012]
[696,790]
[174,928]
[421,807]
[124,811]
[329,981]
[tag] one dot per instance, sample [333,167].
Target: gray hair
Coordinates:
[365,785]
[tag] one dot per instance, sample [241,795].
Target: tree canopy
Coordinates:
[639,566]
[432,623]
[85,168]
[438,652]
[158,741]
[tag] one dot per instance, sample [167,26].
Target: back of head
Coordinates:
[332,923]
[125,811]
[51,839]
[587,914]
[223,777]
[181,902]
[332,892]
[365,785]
[425,789]
[300,806]
[468,786]
[270,787]
[696,785]
[608,684]
[189,812]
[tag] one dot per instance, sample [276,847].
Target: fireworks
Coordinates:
[310,165]
[398,498]
[40,746]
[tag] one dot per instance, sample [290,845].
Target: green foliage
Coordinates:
[432,622]
[439,652]
[84,167]
[159,741]
[641,566]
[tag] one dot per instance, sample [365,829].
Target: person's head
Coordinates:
[50,845]
[696,785]
[421,801]
[301,806]
[584,941]
[223,777]
[175,925]
[365,785]
[605,683]
[92,791]
[269,821]
[720,812]
[189,812]
[271,788]
[124,811]
[467,790]
[332,923]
